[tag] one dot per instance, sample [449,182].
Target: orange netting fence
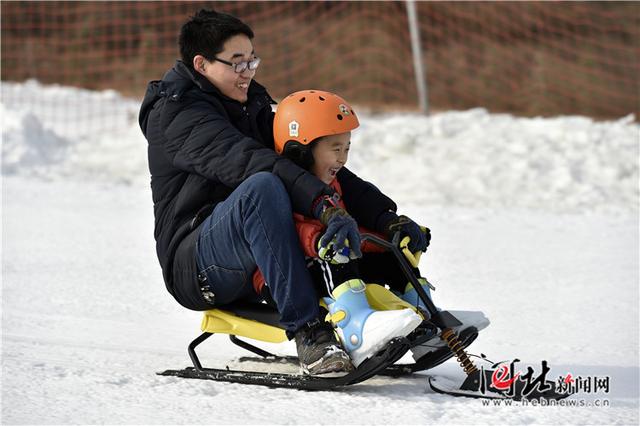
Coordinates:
[526,58]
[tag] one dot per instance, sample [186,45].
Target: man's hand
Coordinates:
[420,237]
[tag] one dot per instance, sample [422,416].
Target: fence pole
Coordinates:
[418,68]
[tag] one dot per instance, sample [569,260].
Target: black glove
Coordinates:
[420,237]
[341,228]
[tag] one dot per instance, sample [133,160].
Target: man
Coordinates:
[223,199]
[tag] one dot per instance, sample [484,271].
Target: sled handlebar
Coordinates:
[394,247]
[442,319]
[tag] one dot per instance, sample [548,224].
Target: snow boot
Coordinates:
[411,296]
[362,330]
[467,318]
[427,341]
[319,352]
[382,299]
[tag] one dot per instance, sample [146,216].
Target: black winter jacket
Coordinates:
[202,145]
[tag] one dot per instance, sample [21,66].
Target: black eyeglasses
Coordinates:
[240,67]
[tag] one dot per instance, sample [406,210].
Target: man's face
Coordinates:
[329,155]
[236,49]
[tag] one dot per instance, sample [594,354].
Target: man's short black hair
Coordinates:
[206,32]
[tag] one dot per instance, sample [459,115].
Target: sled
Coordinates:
[260,322]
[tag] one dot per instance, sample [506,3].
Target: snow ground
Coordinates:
[534,221]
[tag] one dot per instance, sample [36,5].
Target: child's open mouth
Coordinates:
[334,171]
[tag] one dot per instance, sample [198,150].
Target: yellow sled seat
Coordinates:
[259,322]
[227,322]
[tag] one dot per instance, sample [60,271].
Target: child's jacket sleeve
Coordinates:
[310,230]
[364,201]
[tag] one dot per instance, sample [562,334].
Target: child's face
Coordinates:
[329,155]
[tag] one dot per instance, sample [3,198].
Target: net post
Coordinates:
[418,69]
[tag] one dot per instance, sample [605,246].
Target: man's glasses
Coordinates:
[240,67]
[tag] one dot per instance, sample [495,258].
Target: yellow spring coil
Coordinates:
[456,347]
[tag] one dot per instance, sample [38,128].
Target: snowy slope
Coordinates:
[534,221]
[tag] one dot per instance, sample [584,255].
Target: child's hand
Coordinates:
[330,254]
[342,232]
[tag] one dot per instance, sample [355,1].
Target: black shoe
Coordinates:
[319,351]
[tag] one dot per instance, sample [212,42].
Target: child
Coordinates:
[313,129]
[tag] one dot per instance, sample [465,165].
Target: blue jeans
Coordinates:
[254,228]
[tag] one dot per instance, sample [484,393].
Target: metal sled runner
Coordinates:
[236,323]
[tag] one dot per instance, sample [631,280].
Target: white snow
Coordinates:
[534,222]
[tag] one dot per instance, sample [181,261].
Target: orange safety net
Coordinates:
[525,58]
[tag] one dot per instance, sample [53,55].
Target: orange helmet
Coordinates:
[307,115]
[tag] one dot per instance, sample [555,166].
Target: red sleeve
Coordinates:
[309,230]
[369,247]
